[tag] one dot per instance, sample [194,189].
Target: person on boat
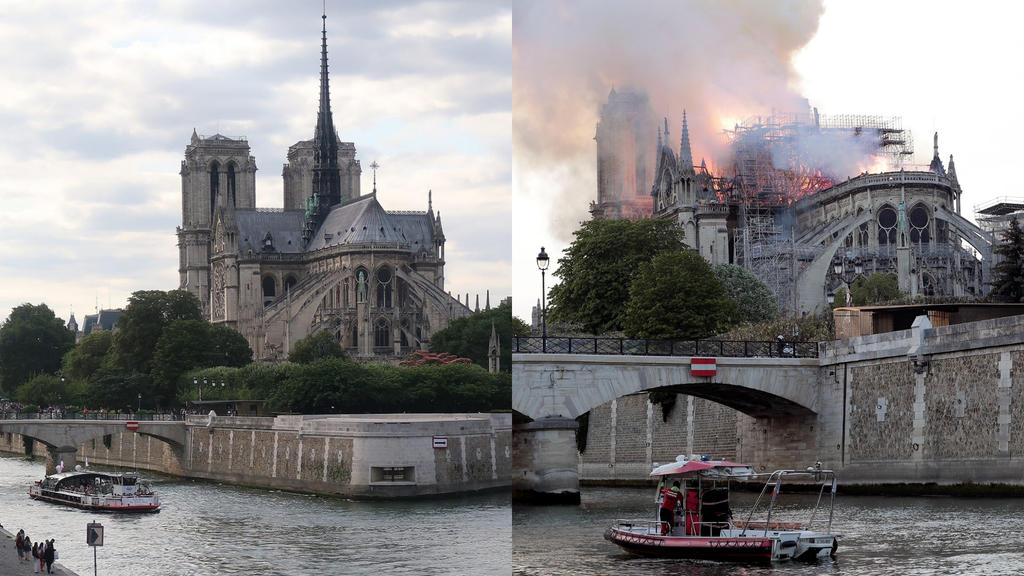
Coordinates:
[669,501]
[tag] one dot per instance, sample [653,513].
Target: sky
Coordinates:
[939,66]
[100,99]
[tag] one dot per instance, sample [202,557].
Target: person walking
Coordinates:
[19,541]
[50,555]
[42,556]
[35,558]
[26,548]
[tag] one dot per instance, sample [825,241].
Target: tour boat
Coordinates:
[97,491]
[703,526]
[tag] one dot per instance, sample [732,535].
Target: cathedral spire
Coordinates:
[685,156]
[936,165]
[326,174]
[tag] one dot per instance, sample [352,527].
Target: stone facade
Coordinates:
[332,259]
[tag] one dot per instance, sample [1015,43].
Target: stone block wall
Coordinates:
[628,435]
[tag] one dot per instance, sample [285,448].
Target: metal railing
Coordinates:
[647,347]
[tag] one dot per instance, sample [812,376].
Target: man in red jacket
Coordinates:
[669,501]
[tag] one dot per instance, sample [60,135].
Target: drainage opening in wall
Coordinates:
[385,474]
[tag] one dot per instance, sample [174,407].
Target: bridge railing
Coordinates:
[54,415]
[648,347]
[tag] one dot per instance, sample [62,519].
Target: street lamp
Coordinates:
[140,403]
[542,265]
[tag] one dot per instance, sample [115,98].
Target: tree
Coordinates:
[875,289]
[677,295]
[32,341]
[1008,274]
[316,346]
[44,390]
[189,344]
[470,337]
[143,321]
[599,266]
[86,358]
[754,300]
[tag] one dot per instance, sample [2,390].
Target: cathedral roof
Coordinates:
[417,227]
[359,222]
[284,228]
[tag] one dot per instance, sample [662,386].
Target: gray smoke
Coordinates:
[722,61]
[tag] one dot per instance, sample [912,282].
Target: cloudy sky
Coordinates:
[940,66]
[100,99]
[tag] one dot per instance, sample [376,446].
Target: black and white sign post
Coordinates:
[94,538]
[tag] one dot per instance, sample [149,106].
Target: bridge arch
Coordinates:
[568,385]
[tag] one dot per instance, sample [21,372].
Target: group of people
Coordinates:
[41,555]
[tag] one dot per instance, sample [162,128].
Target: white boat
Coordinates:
[703,526]
[97,491]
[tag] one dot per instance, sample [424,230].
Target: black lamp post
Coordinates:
[140,402]
[542,264]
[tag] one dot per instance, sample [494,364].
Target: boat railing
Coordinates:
[824,478]
[647,527]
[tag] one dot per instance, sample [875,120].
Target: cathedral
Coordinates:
[331,259]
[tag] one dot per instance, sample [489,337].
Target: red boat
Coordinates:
[702,526]
[97,491]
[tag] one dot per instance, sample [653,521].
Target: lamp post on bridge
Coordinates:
[542,264]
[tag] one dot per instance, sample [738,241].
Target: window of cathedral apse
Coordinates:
[344,293]
[381,334]
[290,282]
[887,225]
[919,224]
[384,286]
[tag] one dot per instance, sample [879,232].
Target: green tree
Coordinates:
[32,341]
[189,344]
[316,346]
[86,358]
[115,389]
[44,390]
[875,289]
[753,298]
[470,337]
[599,266]
[839,300]
[139,328]
[677,295]
[228,347]
[1008,274]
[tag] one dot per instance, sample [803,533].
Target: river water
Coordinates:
[880,535]
[206,528]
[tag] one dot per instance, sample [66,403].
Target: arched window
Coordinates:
[344,293]
[231,184]
[214,185]
[887,225]
[381,334]
[355,336]
[919,220]
[269,289]
[290,282]
[384,284]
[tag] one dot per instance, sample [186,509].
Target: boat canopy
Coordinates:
[706,468]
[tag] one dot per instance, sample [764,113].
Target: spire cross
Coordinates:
[374,166]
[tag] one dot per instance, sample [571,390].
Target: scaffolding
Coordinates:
[783,158]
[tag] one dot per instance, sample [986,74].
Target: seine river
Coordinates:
[207,528]
[897,536]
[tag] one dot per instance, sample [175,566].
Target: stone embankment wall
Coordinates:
[942,405]
[372,455]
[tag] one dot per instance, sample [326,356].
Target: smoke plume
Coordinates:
[721,61]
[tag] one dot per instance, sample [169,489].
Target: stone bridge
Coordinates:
[568,385]
[62,437]
[551,390]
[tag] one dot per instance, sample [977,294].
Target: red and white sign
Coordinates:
[703,366]
[131,425]
[440,442]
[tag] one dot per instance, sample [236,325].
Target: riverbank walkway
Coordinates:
[11,566]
